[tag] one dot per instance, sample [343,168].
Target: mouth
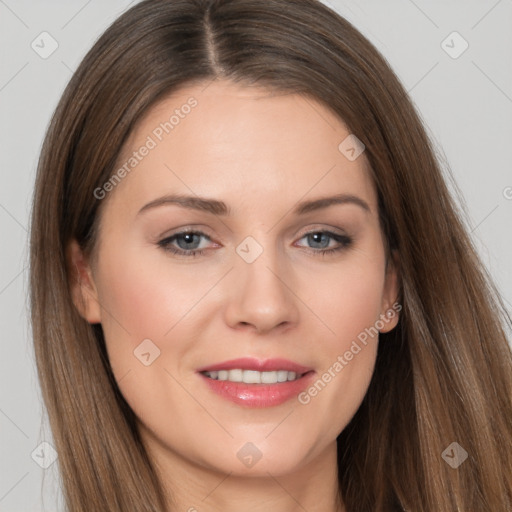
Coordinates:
[253,376]
[253,383]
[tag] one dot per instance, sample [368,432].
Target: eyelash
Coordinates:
[344,240]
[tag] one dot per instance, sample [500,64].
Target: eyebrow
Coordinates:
[220,208]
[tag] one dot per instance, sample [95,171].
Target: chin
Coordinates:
[253,459]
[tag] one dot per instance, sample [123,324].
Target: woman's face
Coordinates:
[276,283]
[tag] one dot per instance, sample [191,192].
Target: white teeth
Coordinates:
[268,377]
[282,376]
[253,376]
[235,375]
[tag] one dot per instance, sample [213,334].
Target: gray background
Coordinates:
[466,103]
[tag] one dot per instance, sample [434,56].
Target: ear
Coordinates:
[83,288]
[390,305]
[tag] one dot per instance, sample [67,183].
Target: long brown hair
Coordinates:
[443,375]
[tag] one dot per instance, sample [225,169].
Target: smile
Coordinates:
[253,376]
[254,383]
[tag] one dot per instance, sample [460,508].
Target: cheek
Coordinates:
[348,300]
[144,311]
[145,297]
[350,308]
[148,311]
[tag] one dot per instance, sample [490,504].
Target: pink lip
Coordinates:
[258,395]
[250,363]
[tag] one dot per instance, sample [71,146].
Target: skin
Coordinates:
[261,153]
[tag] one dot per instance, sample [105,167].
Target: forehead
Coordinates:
[224,140]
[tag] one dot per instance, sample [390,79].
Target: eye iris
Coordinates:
[316,238]
[188,238]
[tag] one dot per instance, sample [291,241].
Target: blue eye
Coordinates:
[187,242]
[318,237]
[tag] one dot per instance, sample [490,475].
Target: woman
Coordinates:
[217,376]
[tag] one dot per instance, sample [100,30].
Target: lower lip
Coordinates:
[258,395]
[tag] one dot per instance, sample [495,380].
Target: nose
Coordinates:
[262,295]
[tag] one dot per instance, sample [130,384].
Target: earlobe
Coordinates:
[83,288]
[391,308]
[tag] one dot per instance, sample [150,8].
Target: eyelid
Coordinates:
[190,228]
[323,228]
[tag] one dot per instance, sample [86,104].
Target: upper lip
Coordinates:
[250,363]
